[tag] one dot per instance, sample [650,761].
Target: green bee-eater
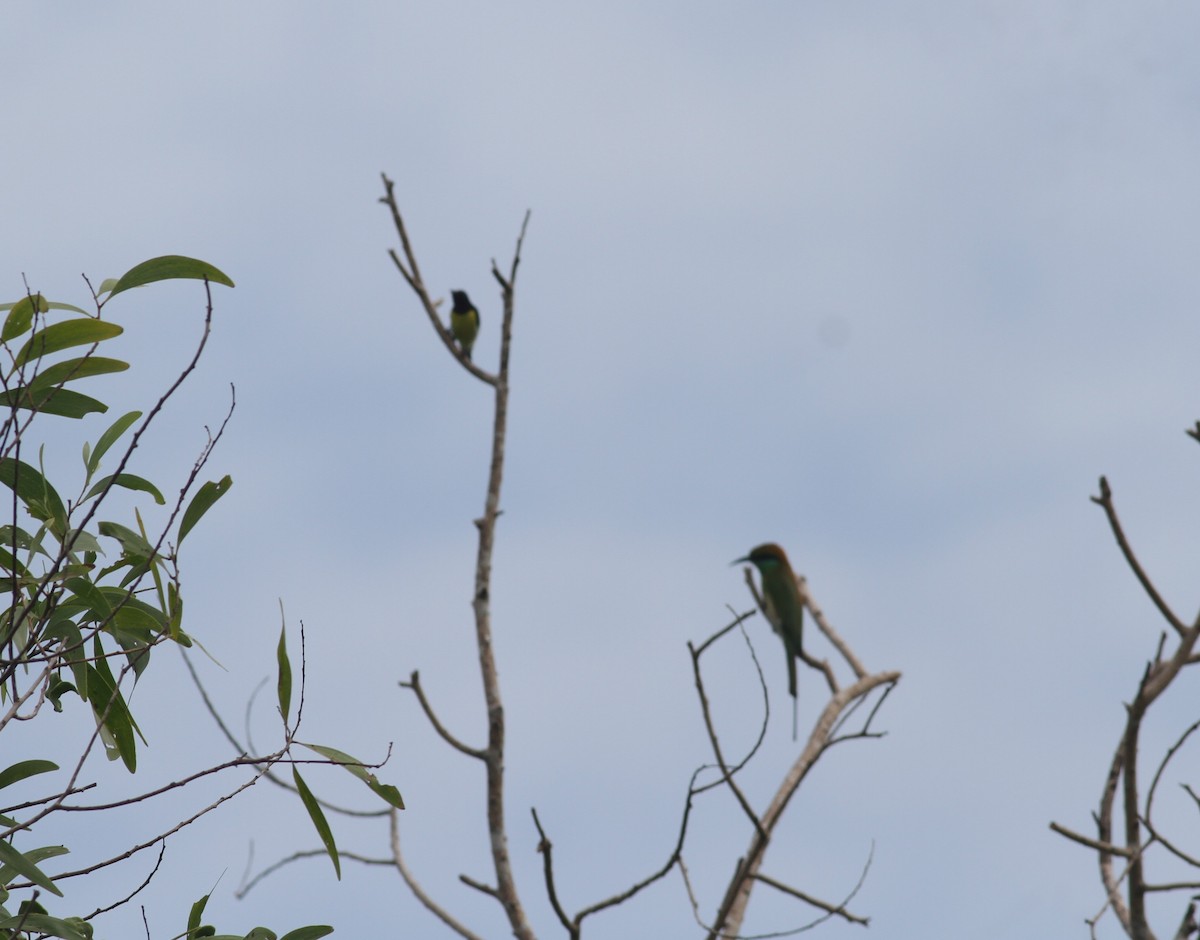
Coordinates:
[464,321]
[781,597]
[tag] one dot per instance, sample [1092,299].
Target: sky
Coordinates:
[892,286]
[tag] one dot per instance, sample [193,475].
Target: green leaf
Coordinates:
[83,331]
[20,317]
[71,369]
[23,769]
[38,855]
[388,792]
[166,268]
[107,701]
[24,539]
[73,651]
[109,437]
[81,925]
[45,306]
[284,686]
[131,542]
[57,689]
[81,540]
[39,497]
[52,401]
[196,913]
[314,932]
[129,482]
[261,933]
[95,603]
[175,615]
[135,612]
[23,866]
[51,926]
[208,494]
[318,819]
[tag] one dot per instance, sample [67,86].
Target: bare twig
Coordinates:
[1105,501]
[414,683]
[136,891]
[545,847]
[418,892]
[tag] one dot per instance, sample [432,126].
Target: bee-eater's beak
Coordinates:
[738,561]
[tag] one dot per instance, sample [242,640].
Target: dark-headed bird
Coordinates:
[464,321]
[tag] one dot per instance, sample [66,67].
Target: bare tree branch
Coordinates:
[418,892]
[505,890]
[414,683]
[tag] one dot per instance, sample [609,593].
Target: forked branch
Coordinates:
[1122,858]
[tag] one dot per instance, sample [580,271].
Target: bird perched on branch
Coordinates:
[464,321]
[781,598]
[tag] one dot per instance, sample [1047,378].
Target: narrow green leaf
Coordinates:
[73,651]
[81,540]
[195,915]
[208,494]
[23,769]
[79,332]
[135,611]
[314,932]
[169,267]
[78,923]
[388,792]
[71,369]
[62,402]
[57,689]
[130,482]
[46,305]
[96,604]
[36,856]
[118,720]
[131,542]
[109,437]
[56,305]
[21,864]
[318,819]
[24,539]
[175,615]
[116,730]
[284,686]
[20,317]
[35,491]
[45,924]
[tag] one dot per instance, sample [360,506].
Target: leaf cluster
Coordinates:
[86,599]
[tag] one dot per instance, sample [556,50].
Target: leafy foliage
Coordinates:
[87,600]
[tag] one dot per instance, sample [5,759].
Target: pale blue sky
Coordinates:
[890,286]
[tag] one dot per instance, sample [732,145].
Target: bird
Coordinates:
[464,321]
[782,602]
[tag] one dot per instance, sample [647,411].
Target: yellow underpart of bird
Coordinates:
[464,321]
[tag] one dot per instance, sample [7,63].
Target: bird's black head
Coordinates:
[461,302]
